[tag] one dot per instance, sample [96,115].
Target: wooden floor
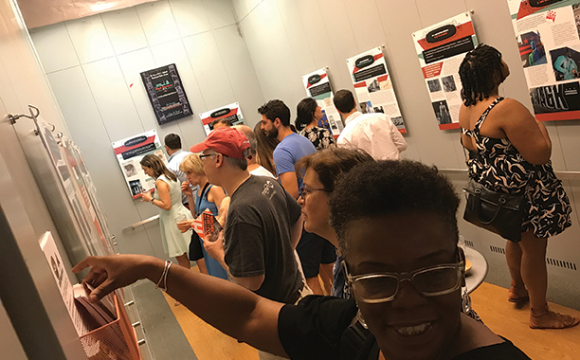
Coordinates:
[489,301]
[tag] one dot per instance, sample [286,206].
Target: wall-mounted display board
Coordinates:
[548,38]
[231,112]
[441,49]
[373,86]
[166,94]
[317,85]
[129,152]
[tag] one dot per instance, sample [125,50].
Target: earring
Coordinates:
[465,302]
[361,320]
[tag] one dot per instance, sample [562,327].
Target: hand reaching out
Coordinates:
[112,272]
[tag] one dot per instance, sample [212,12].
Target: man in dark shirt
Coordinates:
[262,222]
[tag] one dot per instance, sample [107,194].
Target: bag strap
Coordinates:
[198,200]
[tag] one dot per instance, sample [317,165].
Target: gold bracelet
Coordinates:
[164,277]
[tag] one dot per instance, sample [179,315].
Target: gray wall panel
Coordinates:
[124,30]
[190,17]
[55,48]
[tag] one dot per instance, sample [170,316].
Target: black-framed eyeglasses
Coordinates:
[430,281]
[202,157]
[305,191]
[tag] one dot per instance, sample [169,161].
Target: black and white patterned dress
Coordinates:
[498,165]
[321,138]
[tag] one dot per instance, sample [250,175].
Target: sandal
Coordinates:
[548,319]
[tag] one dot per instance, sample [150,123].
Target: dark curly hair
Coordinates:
[305,112]
[276,109]
[331,164]
[388,187]
[478,72]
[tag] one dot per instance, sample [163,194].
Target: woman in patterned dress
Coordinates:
[510,152]
[309,113]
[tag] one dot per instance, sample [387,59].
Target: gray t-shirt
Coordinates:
[257,237]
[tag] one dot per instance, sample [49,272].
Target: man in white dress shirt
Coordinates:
[176,156]
[374,133]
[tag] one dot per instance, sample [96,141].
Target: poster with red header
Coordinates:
[441,49]
[129,153]
[231,113]
[373,86]
[318,87]
[548,34]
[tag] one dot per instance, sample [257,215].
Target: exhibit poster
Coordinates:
[166,93]
[441,49]
[317,85]
[549,43]
[129,153]
[231,113]
[373,86]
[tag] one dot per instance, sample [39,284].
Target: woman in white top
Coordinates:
[167,197]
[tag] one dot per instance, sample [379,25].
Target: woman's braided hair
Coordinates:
[478,71]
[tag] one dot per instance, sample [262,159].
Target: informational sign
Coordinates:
[230,113]
[166,94]
[65,287]
[548,38]
[129,153]
[317,85]
[441,49]
[373,86]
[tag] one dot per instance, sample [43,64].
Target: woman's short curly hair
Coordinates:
[389,187]
[478,72]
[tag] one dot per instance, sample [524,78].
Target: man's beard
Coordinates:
[272,133]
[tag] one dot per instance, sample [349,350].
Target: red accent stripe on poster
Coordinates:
[383,78]
[463,30]
[402,131]
[449,126]
[376,57]
[209,119]
[122,149]
[568,115]
[309,85]
[360,85]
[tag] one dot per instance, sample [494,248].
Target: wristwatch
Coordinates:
[152,200]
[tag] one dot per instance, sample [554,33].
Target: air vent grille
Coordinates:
[497,249]
[562,264]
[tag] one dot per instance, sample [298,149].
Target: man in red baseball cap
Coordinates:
[263,225]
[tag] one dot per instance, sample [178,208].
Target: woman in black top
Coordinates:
[396,226]
[309,114]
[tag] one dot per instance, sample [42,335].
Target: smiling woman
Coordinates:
[395,221]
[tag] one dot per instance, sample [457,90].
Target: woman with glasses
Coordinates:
[167,198]
[396,227]
[209,197]
[307,120]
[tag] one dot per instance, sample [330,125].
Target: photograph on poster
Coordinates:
[366,107]
[441,112]
[532,51]
[373,85]
[397,120]
[129,168]
[434,85]
[449,83]
[565,62]
[441,48]
[576,9]
[135,186]
[378,109]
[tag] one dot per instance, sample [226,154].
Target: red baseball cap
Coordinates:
[224,140]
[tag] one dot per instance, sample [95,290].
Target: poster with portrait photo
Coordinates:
[230,114]
[373,86]
[548,36]
[317,85]
[441,49]
[129,152]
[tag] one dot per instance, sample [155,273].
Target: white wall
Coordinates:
[290,38]
[93,66]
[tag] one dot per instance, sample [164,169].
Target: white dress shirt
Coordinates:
[374,133]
